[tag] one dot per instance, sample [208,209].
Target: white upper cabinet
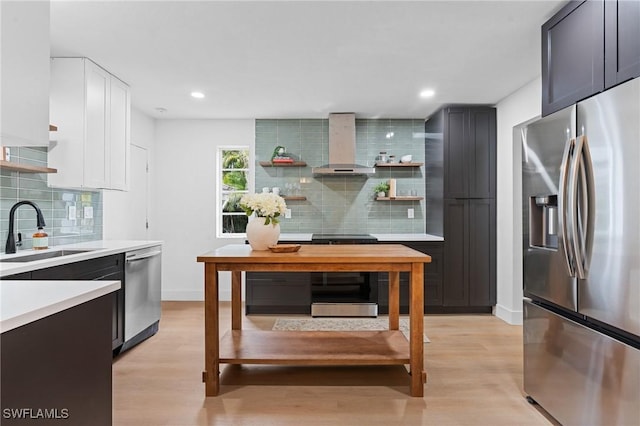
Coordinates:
[119,128]
[92,111]
[25,73]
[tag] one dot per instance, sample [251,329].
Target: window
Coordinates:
[233,183]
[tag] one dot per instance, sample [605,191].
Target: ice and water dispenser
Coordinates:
[543,221]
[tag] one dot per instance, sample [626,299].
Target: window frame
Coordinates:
[220,192]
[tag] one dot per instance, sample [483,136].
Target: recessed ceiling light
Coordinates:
[197,95]
[427,93]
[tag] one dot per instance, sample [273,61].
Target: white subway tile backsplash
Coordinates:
[18,186]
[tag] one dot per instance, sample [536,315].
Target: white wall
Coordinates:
[117,223]
[185,158]
[522,105]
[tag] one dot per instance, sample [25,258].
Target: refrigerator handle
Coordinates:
[562,206]
[582,205]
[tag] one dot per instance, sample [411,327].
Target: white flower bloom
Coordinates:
[267,205]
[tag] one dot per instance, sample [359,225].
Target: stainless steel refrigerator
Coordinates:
[581,245]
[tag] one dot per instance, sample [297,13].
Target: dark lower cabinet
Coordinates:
[57,370]
[278,293]
[469,254]
[102,268]
[432,279]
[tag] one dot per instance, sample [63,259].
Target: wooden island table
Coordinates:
[385,347]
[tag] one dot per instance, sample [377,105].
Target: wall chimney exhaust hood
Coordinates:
[342,148]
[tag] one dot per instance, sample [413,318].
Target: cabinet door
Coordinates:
[278,293]
[455,134]
[482,248]
[96,148]
[60,362]
[622,41]
[117,310]
[119,157]
[67,107]
[481,153]
[433,276]
[456,253]
[572,55]
[25,73]
[102,268]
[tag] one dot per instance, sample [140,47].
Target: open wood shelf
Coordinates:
[399,164]
[409,198]
[294,164]
[388,347]
[294,198]
[25,168]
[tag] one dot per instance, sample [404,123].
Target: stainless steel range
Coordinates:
[344,294]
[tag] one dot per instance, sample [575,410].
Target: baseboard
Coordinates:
[508,316]
[192,295]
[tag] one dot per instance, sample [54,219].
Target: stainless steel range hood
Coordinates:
[342,148]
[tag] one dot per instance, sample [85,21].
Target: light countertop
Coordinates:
[22,302]
[98,249]
[407,237]
[380,237]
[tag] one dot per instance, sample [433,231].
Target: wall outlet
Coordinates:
[88,212]
[72,212]
[410,213]
[287,214]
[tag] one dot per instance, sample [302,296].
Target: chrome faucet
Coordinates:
[11,242]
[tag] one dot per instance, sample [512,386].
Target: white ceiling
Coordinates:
[305,59]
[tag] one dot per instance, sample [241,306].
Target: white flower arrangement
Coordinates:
[268,205]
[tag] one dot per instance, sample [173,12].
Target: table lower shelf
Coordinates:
[388,347]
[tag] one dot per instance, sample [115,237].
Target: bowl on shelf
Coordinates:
[406,158]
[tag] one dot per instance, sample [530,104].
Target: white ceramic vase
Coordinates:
[261,236]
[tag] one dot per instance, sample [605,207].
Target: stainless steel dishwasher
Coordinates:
[142,292]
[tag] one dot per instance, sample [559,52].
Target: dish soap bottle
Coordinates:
[40,239]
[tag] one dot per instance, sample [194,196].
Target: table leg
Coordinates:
[210,376]
[394,300]
[236,300]
[416,341]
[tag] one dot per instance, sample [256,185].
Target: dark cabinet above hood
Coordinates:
[342,148]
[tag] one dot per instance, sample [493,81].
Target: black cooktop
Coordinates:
[343,239]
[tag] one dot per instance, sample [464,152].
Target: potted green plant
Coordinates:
[381,189]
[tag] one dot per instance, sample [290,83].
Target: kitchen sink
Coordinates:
[43,255]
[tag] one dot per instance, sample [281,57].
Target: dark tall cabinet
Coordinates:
[468,143]
[587,47]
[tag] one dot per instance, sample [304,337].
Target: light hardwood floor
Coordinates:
[473,363]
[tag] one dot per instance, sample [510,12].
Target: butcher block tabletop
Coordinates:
[310,253]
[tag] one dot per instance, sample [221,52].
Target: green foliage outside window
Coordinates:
[235,171]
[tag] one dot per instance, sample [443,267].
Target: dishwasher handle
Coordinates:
[137,257]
